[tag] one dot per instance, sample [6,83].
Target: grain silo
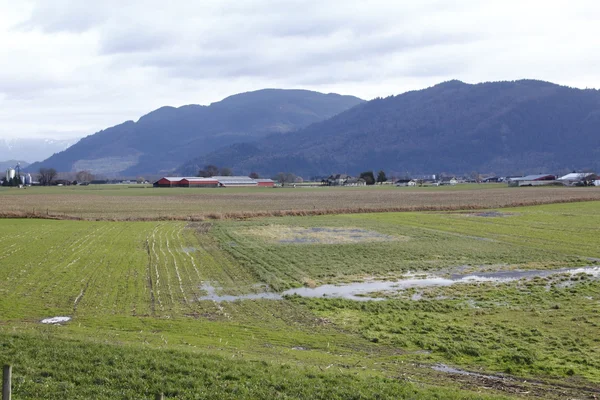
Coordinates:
[10,174]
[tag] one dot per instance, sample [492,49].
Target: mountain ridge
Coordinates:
[507,127]
[159,141]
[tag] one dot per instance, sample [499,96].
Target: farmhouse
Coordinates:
[403,182]
[351,181]
[448,180]
[533,180]
[336,180]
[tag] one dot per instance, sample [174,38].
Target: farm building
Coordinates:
[199,182]
[235,181]
[447,180]
[168,181]
[215,181]
[402,182]
[579,179]
[265,182]
[533,180]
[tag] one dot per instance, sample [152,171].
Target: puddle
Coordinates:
[55,320]
[212,295]
[451,370]
[490,214]
[188,249]
[359,291]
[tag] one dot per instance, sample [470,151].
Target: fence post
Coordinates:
[6,389]
[160,396]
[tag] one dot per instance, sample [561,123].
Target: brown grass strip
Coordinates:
[242,215]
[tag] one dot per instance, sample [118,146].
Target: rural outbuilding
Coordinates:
[533,180]
[199,182]
[579,179]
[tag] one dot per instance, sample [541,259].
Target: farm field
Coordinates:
[120,202]
[222,308]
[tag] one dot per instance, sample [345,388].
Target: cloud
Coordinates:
[81,66]
[63,16]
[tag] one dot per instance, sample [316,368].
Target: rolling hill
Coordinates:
[518,127]
[161,140]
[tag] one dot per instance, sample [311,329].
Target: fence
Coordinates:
[7,384]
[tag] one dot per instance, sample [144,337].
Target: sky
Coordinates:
[70,68]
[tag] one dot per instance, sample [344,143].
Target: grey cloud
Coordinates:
[64,16]
[27,88]
[134,41]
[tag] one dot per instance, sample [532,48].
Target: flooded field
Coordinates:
[283,306]
[361,291]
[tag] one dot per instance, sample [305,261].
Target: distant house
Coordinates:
[447,180]
[579,179]
[351,181]
[403,182]
[337,180]
[533,180]
[492,179]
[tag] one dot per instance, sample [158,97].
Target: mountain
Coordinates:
[161,140]
[32,150]
[518,127]
[4,165]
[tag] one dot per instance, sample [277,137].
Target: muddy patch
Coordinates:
[318,235]
[490,214]
[55,320]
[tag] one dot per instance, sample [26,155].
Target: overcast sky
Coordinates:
[69,68]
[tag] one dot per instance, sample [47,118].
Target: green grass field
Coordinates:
[139,324]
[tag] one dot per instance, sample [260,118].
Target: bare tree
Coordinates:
[285,177]
[47,175]
[84,176]
[208,171]
[226,171]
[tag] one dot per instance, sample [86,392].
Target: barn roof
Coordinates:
[576,176]
[533,177]
[235,180]
[200,179]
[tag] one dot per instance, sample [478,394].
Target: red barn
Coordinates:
[168,181]
[199,182]
[265,182]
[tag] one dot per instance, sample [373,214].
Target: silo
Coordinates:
[10,174]
[28,179]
